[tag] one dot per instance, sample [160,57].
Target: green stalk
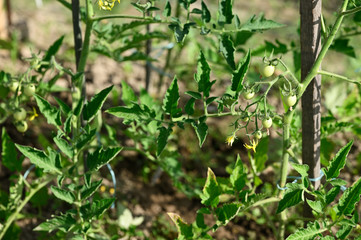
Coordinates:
[13,216]
[287,119]
[314,70]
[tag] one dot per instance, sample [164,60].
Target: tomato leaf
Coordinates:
[338,162]
[9,153]
[162,139]
[211,190]
[171,98]
[100,157]
[349,199]
[202,77]
[225,14]
[50,112]
[292,197]
[94,105]
[313,229]
[63,194]
[40,159]
[240,73]
[227,49]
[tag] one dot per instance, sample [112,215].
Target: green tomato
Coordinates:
[290,100]
[29,90]
[248,94]
[258,135]
[267,122]
[267,71]
[13,86]
[21,126]
[20,114]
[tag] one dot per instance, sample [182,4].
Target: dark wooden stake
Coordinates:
[78,42]
[310,11]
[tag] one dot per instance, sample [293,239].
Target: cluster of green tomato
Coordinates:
[289,99]
[20,113]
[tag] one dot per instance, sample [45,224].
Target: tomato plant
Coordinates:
[206,66]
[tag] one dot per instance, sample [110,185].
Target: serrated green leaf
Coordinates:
[162,139]
[167,9]
[62,222]
[338,182]
[132,113]
[171,98]
[292,197]
[8,153]
[227,49]
[85,138]
[206,14]
[238,177]
[259,24]
[67,124]
[189,108]
[343,232]
[301,169]
[202,77]
[349,199]
[94,105]
[227,212]
[64,146]
[40,159]
[261,154]
[50,112]
[101,157]
[315,205]
[180,32]
[63,194]
[211,190]
[338,162]
[225,14]
[96,208]
[331,194]
[63,106]
[309,233]
[52,50]
[210,100]
[195,95]
[240,73]
[89,191]
[128,95]
[201,131]
[185,231]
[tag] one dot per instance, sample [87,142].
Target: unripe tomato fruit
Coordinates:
[258,135]
[21,126]
[290,100]
[29,90]
[248,94]
[267,122]
[13,86]
[267,71]
[20,114]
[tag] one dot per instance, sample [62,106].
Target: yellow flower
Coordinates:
[34,115]
[102,188]
[111,191]
[252,146]
[230,139]
[106,4]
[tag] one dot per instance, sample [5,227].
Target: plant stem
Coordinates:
[314,70]
[334,75]
[287,119]
[31,193]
